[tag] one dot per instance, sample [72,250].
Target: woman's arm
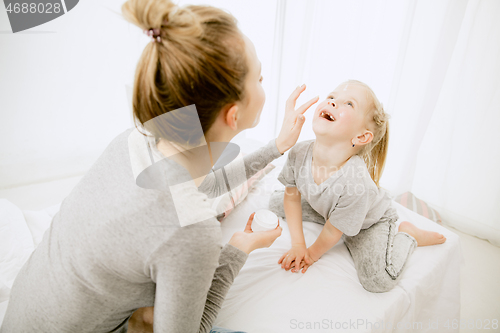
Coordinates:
[142,321]
[189,292]
[231,261]
[235,173]
[239,170]
[192,276]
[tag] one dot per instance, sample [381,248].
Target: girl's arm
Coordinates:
[328,237]
[293,213]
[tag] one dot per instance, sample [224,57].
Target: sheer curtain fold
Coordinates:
[457,164]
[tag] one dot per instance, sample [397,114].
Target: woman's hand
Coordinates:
[247,240]
[293,256]
[293,121]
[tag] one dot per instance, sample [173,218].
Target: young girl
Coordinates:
[338,174]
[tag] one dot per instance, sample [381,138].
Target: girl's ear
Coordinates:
[365,138]
[231,116]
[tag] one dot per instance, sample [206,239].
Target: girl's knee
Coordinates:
[378,283]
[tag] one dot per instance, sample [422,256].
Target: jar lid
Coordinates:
[266,217]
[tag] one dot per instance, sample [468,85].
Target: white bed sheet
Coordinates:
[329,297]
[265,298]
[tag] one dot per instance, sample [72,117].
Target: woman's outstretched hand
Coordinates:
[293,121]
[248,240]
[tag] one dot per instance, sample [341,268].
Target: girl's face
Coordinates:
[341,116]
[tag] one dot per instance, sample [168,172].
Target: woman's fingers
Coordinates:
[248,226]
[290,102]
[293,120]
[307,104]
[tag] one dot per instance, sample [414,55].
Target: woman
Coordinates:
[116,246]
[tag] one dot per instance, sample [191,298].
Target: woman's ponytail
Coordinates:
[199,59]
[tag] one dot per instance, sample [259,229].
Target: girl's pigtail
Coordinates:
[375,158]
[375,153]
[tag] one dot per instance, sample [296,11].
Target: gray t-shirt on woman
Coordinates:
[115,247]
[349,198]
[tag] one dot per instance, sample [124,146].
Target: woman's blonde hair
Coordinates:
[375,153]
[200,60]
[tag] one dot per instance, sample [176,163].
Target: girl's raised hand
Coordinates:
[293,121]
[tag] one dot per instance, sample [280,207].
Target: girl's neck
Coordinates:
[330,155]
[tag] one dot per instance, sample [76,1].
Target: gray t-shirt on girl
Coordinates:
[115,246]
[349,197]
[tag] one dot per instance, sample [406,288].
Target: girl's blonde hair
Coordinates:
[375,153]
[200,60]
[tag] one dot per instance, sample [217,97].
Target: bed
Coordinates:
[329,297]
[265,298]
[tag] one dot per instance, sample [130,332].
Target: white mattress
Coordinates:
[265,298]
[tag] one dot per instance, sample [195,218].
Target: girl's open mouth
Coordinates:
[327,115]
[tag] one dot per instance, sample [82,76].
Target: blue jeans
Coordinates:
[217,329]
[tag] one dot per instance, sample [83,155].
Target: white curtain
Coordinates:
[457,163]
[435,66]
[433,63]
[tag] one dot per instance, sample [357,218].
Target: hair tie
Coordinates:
[154,34]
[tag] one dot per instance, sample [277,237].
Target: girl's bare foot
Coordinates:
[423,237]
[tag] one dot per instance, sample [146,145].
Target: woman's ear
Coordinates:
[365,138]
[231,117]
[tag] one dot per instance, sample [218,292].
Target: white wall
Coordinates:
[63,86]
[62,93]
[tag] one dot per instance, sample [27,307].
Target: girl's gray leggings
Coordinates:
[379,253]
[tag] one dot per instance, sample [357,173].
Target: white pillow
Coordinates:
[16,245]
